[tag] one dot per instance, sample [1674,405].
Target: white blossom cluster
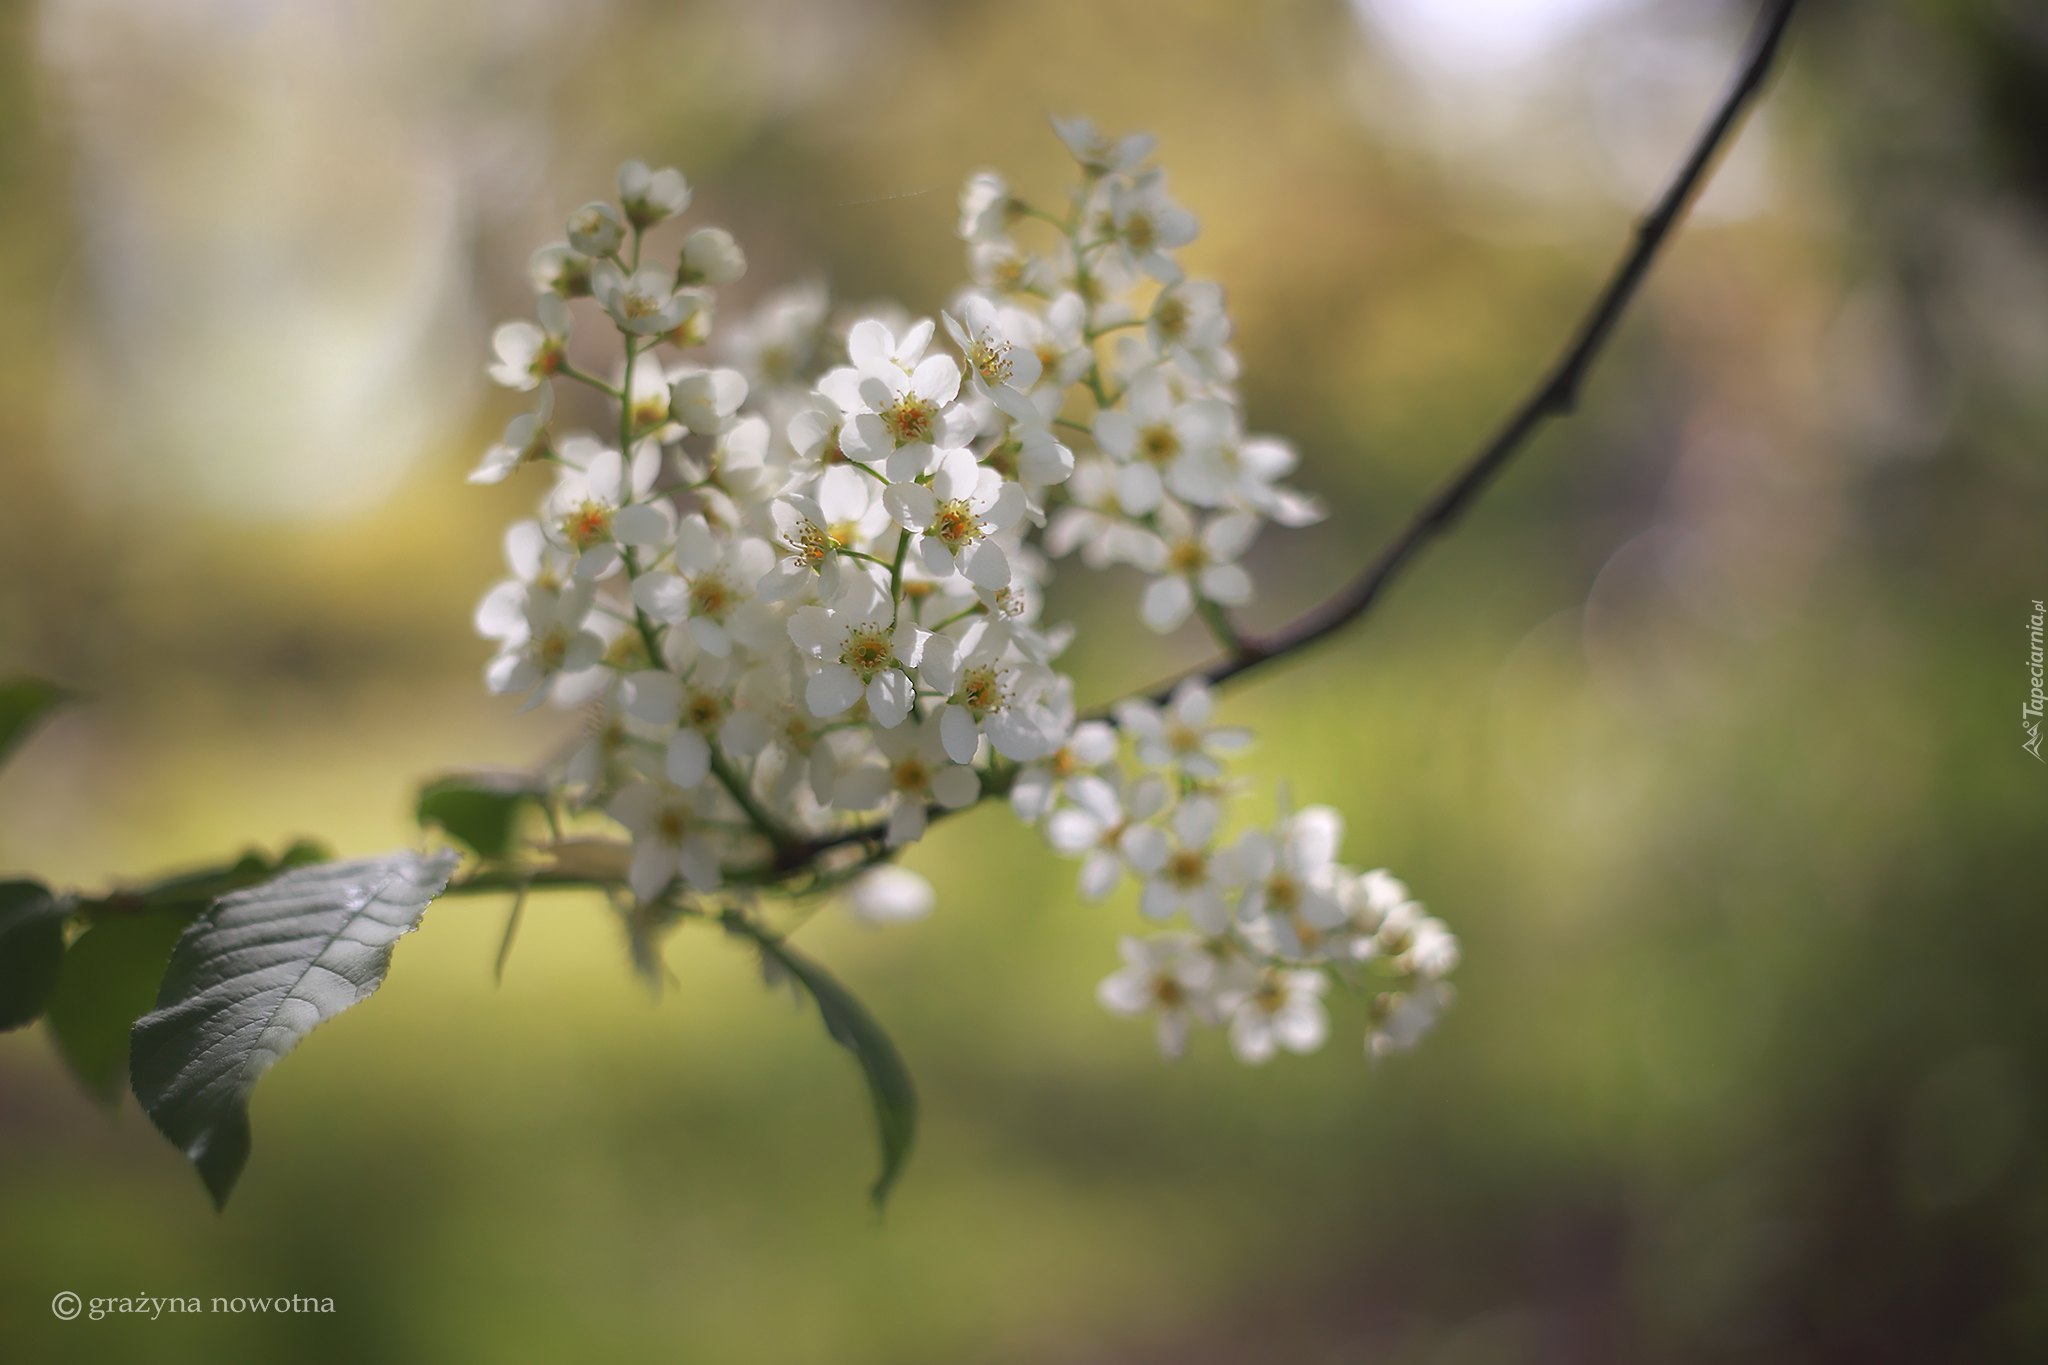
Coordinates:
[798,586]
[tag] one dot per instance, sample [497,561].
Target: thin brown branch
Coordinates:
[1558,393]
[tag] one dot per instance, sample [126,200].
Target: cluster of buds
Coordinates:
[798,588]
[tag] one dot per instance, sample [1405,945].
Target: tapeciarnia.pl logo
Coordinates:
[2030,712]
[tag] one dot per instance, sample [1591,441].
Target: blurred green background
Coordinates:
[1701,732]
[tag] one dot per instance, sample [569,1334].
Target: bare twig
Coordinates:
[1556,396]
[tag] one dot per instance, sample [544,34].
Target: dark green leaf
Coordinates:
[109,980]
[252,977]
[31,950]
[24,701]
[479,809]
[854,1029]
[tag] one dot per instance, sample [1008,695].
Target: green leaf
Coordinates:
[109,980]
[252,977]
[480,809]
[24,701]
[854,1029]
[31,950]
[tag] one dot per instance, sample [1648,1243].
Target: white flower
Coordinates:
[550,639]
[1179,733]
[704,400]
[1157,435]
[989,691]
[1188,324]
[1249,470]
[1402,1018]
[591,511]
[669,840]
[528,352]
[1096,518]
[525,439]
[1285,1010]
[1292,893]
[711,256]
[814,530]
[954,516]
[889,895]
[775,343]
[651,196]
[1195,561]
[559,269]
[595,229]
[716,583]
[1190,876]
[645,303]
[1038,788]
[863,655]
[1103,827]
[1432,950]
[689,712]
[1168,975]
[1001,359]
[985,211]
[1145,224]
[914,769]
[1096,152]
[910,411]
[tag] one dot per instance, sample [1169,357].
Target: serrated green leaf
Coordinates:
[479,809]
[109,979]
[25,700]
[853,1028]
[31,950]
[252,977]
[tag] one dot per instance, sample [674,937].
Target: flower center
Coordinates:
[1158,443]
[1283,892]
[711,595]
[811,544]
[588,525]
[553,648]
[1007,273]
[650,410]
[990,359]
[704,710]
[909,419]
[982,690]
[910,774]
[628,653]
[639,303]
[866,651]
[1188,869]
[955,524]
[1171,317]
[1167,993]
[671,826]
[1139,231]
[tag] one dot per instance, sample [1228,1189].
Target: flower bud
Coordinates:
[651,196]
[595,229]
[710,256]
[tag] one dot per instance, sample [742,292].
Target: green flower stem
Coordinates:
[786,845]
[896,569]
[568,371]
[1214,617]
